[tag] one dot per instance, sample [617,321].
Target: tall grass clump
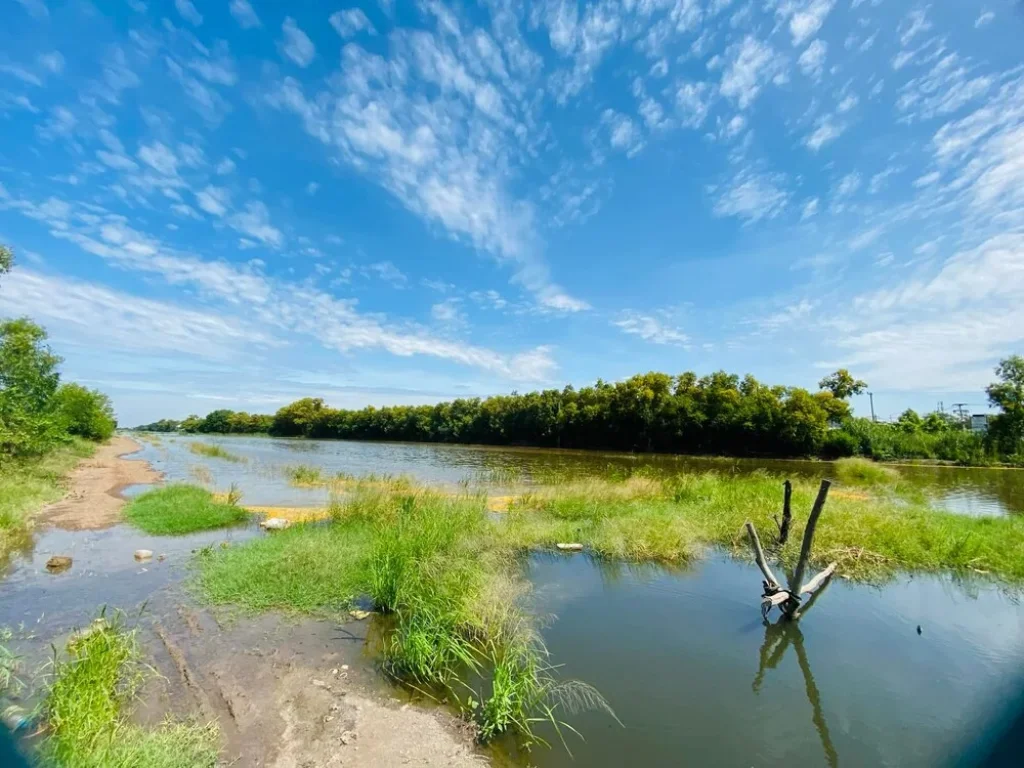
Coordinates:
[865,472]
[180,509]
[214,452]
[304,474]
[88,709]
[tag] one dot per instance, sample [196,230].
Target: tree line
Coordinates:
[38,411]
[720,413]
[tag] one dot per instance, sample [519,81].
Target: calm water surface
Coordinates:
[979,492]
[698,679]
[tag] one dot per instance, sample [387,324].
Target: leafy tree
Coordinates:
[6,259]
[842,384]
[85,412]
[28,381]
[937,422]
[1007,394]
[909,421]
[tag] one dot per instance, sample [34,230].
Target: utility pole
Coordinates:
[871,396]
[961,411]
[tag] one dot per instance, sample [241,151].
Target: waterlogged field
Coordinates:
[261,465]
[650,643]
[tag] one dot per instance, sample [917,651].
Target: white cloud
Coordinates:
[244,14]
[751,196]
[311,188]
[214,200]
[448,313]
[810,209]
[296,45]
[914,24]
[808,20]
[15,70]
[158,157]
[35,8]
[650,328]
[188,12]
[849,102]
[623,133]
[866,238]
[986,17]
[128,322]
[927,179]
[52,62]
[225,166]
[693,102]
[812,60]
[351,22]
[388,272]
[847,185]
[254,221]
[751,65]
[826,130]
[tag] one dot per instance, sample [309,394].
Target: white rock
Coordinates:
[143,554]
[275,524]
[570,547]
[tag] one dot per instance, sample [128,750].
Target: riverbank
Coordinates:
[94,497]
[277,692]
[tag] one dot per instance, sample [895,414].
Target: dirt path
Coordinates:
[94,497]
[293,694]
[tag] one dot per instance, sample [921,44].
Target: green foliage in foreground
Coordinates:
[179,509]
[87,710]
[214,452]
[29,483]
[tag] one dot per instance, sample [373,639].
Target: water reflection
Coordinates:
[778,637]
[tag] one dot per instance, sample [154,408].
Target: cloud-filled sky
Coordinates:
[235,203]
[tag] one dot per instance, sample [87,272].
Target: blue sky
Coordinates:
[236,204]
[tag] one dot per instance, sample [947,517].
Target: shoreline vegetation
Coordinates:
[446,572]
[716,415]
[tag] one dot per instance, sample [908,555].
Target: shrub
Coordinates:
[839,444]
[85,412]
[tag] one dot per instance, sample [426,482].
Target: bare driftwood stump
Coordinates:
[775,595]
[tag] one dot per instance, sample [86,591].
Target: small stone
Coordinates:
[58,563]
[344,666]
[359,615]
[143,554]
[319,683]
[334,671]
[275,524]
[161,558]
[347,737]
[572,547]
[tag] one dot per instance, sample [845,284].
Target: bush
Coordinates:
[839,444]
[85,412]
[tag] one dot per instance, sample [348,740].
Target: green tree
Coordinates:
[909,421]
[1007,394]
[85,412]
[6,259]
[842,384]
[28,381]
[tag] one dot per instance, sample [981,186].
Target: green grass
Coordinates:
[446,574]
[214,452]
[857,471]
[304,475]
[89,702]
[26,486]
[178,509]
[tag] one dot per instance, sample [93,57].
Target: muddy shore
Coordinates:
[284,692]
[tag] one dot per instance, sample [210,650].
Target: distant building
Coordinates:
[979,423]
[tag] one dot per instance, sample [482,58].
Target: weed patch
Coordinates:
[179,509]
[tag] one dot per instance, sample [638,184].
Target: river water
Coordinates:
[900,675]
[968,491]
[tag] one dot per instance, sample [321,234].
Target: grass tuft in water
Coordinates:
[858,471]
[214,452]
[304,475]
[88,706]
[180,509]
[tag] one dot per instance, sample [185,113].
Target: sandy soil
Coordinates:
[294,694]
[94,499]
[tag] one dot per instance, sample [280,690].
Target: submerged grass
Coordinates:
[214,452]
[179,509]
[88,706]
[304,475]
[25,486]
[858,471]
